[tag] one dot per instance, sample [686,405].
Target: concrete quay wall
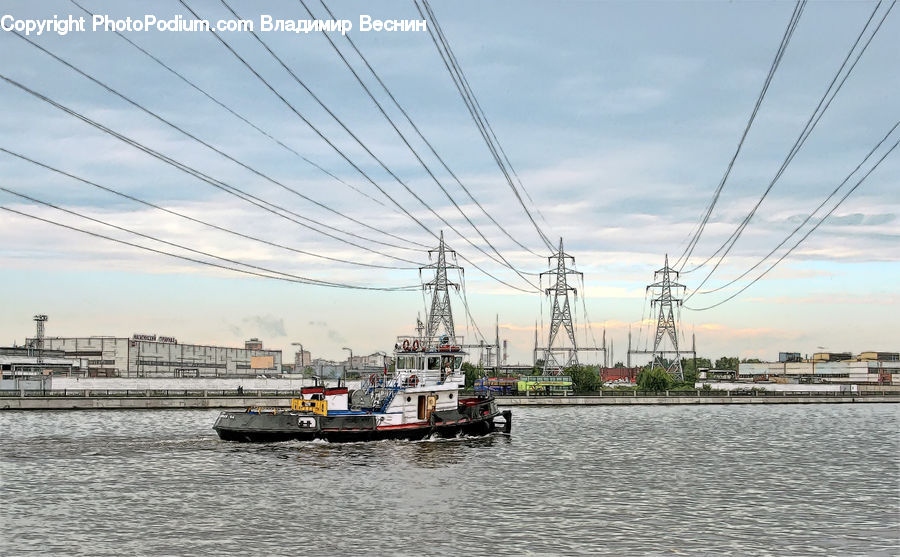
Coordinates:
[140,403]
[245,401]
[175,384]
[678,400]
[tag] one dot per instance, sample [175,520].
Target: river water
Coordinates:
[637,480]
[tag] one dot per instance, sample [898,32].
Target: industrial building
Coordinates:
[24,368]
[881,368]
[160,356]
[302,358]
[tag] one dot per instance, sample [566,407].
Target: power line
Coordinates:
[422,136]
[811,123]
[805,236]
[587,318]
[306,121]
[465,300]
[808,217]
[470,93]
[331,144]
[801,140]
[222,153]
[233,112]
[474,107]
[196,220]
[301,280]
[785,40]
[370,153]
[147,236]
[240,194]
[503,261]
[467,96]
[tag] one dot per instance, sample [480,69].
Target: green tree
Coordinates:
[584,378]
[726,362]
[472,373]
[691,371]
[656,379]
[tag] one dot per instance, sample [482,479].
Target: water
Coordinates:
[686,480]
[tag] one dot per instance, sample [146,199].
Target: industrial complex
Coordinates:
[826,367]
[159,357]
[155,356]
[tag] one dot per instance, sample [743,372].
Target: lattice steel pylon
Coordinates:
[666,327]
[440,313]
[561,316]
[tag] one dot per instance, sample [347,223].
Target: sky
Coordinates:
[619,118]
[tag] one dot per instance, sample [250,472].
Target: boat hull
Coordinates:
[285,425]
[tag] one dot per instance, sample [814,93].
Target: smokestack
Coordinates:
[497,337]
[612,358]
[628,357]
[605,354]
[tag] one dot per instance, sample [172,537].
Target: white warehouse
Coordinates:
[851,371]
[149,356]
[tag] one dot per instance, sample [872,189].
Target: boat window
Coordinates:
[457,363]
[405,362]
[420,363]
[434,362]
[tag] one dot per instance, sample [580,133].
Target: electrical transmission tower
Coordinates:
[557,358]
[440,313]
[666,325]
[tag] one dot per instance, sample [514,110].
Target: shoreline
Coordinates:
[149,401]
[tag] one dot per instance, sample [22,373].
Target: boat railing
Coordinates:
[439,378]
[388,399]
[420,378]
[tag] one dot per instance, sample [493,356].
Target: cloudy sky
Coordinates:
[619,118]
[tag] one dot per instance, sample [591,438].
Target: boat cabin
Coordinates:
[428,367]
[436,361]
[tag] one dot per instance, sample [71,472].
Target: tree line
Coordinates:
[586,378]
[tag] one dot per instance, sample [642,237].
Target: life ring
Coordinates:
[406,344]
[412,381]
[415,346]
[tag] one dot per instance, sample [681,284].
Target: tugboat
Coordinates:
[419,399]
